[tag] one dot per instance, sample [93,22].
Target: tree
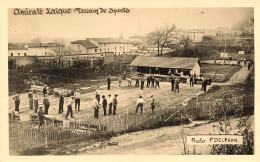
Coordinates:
[162,37]
[59,49]
[155,38]
[185,42]
[221,109]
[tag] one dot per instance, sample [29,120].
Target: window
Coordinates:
[95,50]
[12,54]
[100,50]
[18,54]
[24,54]
[115,47]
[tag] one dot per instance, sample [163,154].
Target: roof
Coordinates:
[36,45]
[165,62]
[12,46]
[85,43]
[110,40]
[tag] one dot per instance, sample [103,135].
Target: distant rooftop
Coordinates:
[12,46]
[85,43]
[110,40]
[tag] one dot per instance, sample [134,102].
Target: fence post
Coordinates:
[45,134]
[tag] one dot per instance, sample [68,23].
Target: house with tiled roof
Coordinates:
[40,49]
[116,46]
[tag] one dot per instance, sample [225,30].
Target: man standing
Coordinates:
[142,83]
[104,103]
[46,103]
[108,82]
[152,104]
[96,108]
[152,79]
[98,94]
[77,99]
[36,99]
[44,91]
[191,81]
[139,103]
[157,83]
[177,82]
[148,82]
[41,117]
[119,81]
[248,66]
[69,108]
[169,72]
[17,102]
[136,81]
[30,96]
[110,102]
[172,82]
[115,104]
[61,103]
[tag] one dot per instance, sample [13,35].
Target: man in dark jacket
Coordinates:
[148,82]
[152,80]
[46,103]
[142,83]
[172,82]
[191,81]
[61,103]
[104,104]
[108,82]
[44,91]
[30,96]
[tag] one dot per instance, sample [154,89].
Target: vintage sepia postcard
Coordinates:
[131,81]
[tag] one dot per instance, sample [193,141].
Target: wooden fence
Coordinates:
[202,110]
[30,137]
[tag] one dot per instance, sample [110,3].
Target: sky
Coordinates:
[137,22]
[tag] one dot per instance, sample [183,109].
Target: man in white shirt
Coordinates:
[96,108]
[69,106]
[110,102]
[77,99]
[140,102]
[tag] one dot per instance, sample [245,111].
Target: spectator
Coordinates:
[36,104]
[119,81]
[41,117]
[44,91]
[61,103]
[115,104]
[17,102]
[30,96]
[148,81]
[77,99]
[110,103]
[172,82]
[104,103]
[96,108]
[136,81]
[153,103]
[46,103]
[177,82]
[157,83]
[129,80]
[108,82]
[69,108]
[142,83]
[98,94]
[191,81]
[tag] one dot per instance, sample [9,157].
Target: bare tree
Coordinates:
[59,49]
[162,37]
[185,42]
[156,38]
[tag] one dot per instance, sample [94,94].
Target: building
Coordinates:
[40,49]
[161,65]
[17,50]
[99,45]
[228,35]
[196,36]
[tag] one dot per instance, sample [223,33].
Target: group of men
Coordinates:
[111,102]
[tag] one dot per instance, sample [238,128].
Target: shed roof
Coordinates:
[12,46]
[165,62]
[85,43]
[36,45]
